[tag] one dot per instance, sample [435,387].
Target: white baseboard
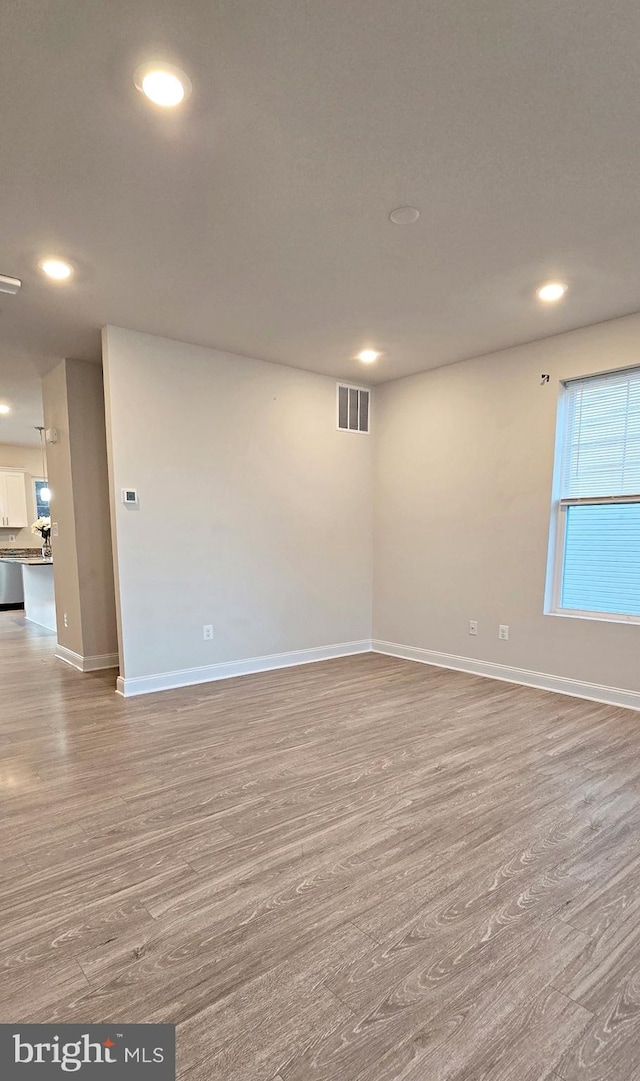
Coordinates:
[611,696]
[187,677]
[87,664]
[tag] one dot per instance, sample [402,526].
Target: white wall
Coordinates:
[464,463]
[255,514]
[65,554]
[82,552]
[88,446]
[28,459]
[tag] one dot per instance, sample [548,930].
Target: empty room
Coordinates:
[320,540]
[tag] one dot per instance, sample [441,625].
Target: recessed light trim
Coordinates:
[4,408]
[404,215]
[164,84]
[367,356]
[551,292]
[56,269]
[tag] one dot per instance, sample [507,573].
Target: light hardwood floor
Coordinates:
[361,870]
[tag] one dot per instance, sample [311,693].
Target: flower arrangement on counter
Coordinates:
[43,527]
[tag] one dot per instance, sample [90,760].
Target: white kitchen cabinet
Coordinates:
[13,500]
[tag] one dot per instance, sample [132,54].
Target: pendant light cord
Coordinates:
[44,460]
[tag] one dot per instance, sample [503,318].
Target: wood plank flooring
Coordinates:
[360,870]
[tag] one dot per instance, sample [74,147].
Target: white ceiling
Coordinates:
[20,387]
[255,217]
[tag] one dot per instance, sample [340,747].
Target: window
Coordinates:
[597,507]
[353,408]
[42,506]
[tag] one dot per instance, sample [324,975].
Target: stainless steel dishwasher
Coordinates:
[11,595]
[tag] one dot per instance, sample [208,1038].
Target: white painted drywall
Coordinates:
[88,446]
[464,463]
[82,551]
[65,553]
[254,515]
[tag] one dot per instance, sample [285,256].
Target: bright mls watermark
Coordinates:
[131,1052]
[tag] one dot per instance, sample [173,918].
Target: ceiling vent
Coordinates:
[353,408]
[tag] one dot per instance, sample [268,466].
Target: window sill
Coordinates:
[598,617]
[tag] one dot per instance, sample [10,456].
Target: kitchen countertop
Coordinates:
[27,561]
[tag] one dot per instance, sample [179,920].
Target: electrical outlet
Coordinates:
[503,632]
[12,538]
[54,529]
[207,632]
[65,619]
[473,626]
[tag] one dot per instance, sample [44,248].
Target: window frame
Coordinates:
[353,386]
[36,481]
[558,530]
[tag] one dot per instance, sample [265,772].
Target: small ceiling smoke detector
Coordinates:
[163,84]
[9,285]
[404,215]
[551,291]
[56,269]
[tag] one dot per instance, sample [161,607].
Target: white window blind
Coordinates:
[599,507]
[602,436]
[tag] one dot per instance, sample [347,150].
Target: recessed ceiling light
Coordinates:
[551,291]
[367,356]
[56,269]
[5,408]
[163,84]
[404,215]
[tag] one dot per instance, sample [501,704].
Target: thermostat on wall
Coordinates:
[130,496]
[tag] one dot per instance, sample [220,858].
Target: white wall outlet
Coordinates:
[65,619]
[207,632]
[503,632]
[54,529]
[473,626]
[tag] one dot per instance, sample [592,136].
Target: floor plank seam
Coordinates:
[336,996]
[156,919]
[81,967]
[570,998]
[83,973]
[588,937]
[232,836]
[373,940]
